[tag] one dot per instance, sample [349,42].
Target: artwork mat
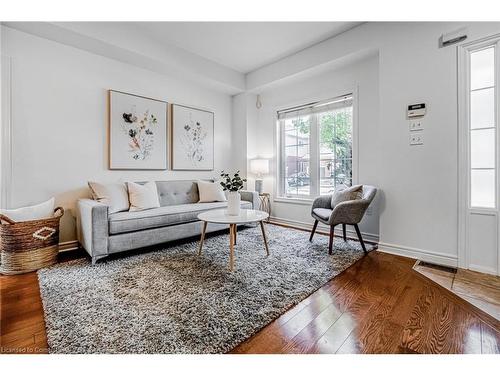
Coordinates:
[167,132]
[172,138]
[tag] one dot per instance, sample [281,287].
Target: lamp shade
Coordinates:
[259,166]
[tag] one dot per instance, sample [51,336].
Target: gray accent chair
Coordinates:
[346,213]
[101,233]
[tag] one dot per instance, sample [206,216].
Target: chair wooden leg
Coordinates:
[332,238]
[344,232]
[360,238]
[313,230]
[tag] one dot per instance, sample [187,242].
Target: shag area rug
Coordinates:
[172,301]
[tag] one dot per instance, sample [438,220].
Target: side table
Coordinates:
[265,203]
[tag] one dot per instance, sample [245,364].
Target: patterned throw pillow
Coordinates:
[349,194]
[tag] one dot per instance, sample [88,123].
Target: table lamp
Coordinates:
[259,167]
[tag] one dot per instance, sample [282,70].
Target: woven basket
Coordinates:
[28,245]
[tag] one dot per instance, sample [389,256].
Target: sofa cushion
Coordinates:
[143,197]
[173,193]
[210,192]
[115,196]
[122,222]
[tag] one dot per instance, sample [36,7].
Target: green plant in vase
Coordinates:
[232,184]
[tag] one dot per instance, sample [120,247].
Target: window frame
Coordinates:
[315,172]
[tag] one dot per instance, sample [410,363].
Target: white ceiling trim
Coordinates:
[123,44]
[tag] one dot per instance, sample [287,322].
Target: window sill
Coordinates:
[302,201]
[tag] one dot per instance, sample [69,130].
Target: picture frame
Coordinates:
[138,132]
[192,138]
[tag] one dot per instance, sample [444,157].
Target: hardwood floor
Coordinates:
[480,289]
[378,305]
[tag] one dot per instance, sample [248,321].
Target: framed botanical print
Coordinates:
[138,132]
[192,139]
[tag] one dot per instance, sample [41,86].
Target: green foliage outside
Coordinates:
[335,137]
[335,131]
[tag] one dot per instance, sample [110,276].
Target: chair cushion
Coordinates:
[349,194]
[323,213]
[122,222]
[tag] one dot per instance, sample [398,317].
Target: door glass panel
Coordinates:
[482,148]
[483,188]
[482,108]
[482,134]
[482,65]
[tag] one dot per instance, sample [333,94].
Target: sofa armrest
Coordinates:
[252,197]
[92,227]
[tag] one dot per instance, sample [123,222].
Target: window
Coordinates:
[482,128]
[315,145]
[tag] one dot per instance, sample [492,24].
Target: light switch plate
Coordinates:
[416,138]
[416,125]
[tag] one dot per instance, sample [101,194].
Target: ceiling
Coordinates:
[243,46]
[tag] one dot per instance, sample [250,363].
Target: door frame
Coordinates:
[464,209]
[6,132]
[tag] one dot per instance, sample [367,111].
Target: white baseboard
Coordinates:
[425,255]
[68,246]
[369,237]
[482,269]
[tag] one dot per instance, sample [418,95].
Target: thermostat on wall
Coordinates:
[416,110]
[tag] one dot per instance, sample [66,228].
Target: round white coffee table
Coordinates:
[221,217]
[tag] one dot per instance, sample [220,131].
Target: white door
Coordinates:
[479,147]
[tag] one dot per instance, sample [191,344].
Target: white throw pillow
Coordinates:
[210,192]
[113,195]
[143,197]
[39,211]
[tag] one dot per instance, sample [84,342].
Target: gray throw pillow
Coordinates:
[349,194]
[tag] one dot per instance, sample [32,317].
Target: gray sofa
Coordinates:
[101,233]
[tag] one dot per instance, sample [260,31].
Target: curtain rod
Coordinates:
[338,99]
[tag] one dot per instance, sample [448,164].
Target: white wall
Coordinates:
[361,78]
[59,139]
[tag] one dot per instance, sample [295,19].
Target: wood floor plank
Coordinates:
[490,340]
[277,335]
[335,336]
[304,341]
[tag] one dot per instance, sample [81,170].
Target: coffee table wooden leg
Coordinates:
[202,236]
[264,235]
[231,247]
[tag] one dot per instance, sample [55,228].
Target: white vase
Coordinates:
[233,203]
